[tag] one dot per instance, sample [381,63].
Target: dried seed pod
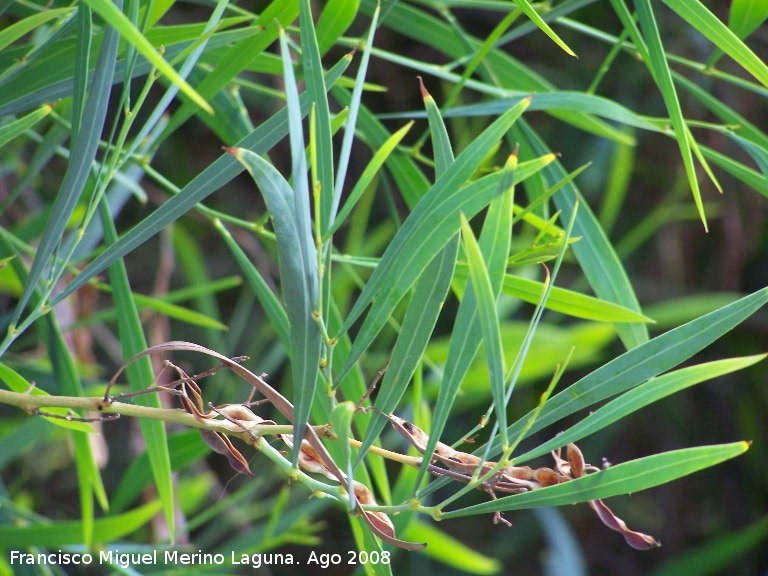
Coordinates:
[546,476]
[379,519]
[223,445]
[637,540]
[576,460]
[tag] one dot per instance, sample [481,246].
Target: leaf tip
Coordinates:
[424,93]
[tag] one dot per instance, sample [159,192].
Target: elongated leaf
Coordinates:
[560,100]
[429,227]
[58,534]
[127,30]
[89,478]
[140,374]
[19,29]
[489,324]
[570,302]
[298,256]
[349,132]
[298,276]
[334,21]
[341,420]
[639,397]
[174,311]
[316,91]
[18,127]
[659,67]
[627,478]
[529,10]
[208,181]
[706,23]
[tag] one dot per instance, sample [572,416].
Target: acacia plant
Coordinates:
[426,297]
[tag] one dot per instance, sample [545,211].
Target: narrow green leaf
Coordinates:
[334,21]
[17,30]
[341,420]
[88,476]
[298,278]
[316,91]
[441,143]
[18,127]
[58,534]
[569,302]
[127,30]
[366,540]
[139,373]
[707,24]
[627,478]
[530,11]
[174,311]
[659,67]
[550,101]
[354,110]
[640,397]
[298,259]
[489,324]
